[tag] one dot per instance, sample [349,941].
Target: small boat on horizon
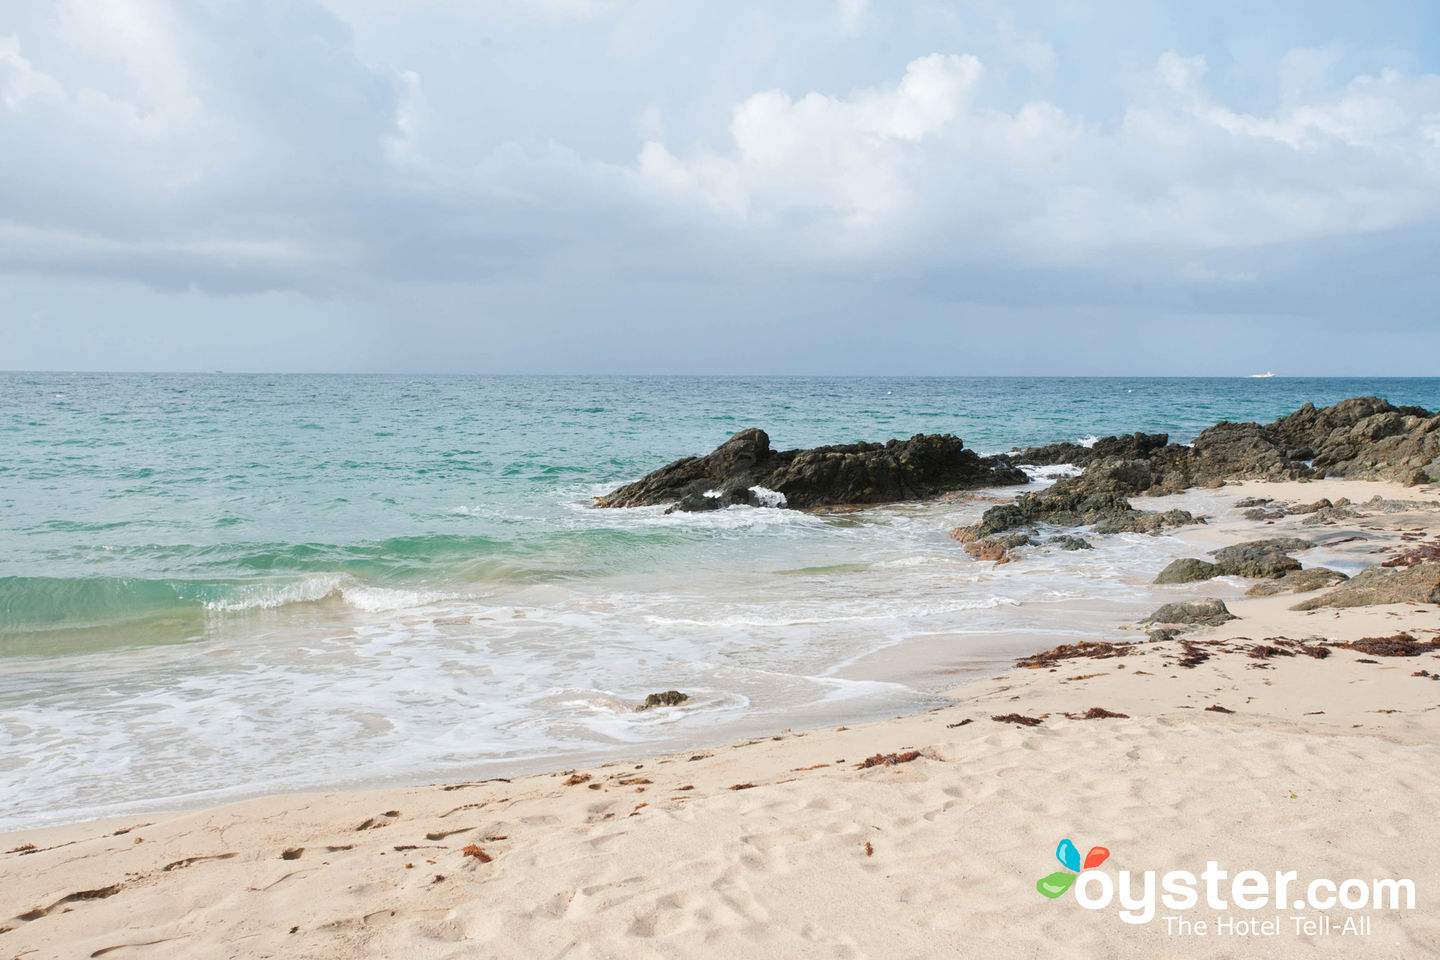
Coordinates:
[1261,376]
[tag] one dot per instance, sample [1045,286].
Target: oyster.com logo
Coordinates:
[1058,882]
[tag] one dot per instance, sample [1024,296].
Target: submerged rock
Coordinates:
[1377,585]
[669,698]
[1068,542]
[1209,612]
[738,470]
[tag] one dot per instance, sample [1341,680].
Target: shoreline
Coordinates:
[625,856]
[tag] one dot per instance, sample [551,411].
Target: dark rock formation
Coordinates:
[1067,542]
[923,466]
[1363,438]
[1209,612]
[1377,585]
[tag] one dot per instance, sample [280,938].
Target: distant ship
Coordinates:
[1261,376]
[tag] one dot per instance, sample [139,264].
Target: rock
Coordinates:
[669,698]
[1297,581]
[923,466]
[1064,506]
[1143,521]
[1377,585]
[1209,612]
[1329,515]
[988,550]
[1252,502]
[1261,513]
[1137,446]
[1260,558]
[1360,438]
[1188,570]
[1068,542]
[998,548]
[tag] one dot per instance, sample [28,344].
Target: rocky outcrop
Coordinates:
[924,466]
[1362,438]
[1377,585]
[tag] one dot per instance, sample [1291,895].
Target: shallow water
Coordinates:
[219,585]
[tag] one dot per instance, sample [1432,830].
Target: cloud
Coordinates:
[927,168]
[137,132]
[235,147]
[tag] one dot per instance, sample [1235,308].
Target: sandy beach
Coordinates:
[1236,743]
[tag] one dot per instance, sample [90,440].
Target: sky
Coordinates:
[809,187]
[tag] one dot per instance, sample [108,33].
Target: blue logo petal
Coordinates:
[1068,855]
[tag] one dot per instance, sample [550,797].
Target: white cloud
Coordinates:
[234,144]
[927,165]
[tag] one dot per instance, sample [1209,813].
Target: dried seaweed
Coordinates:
[1216,708]
[1098,713]
[1193,657]
[1398,645]
[888,759]
[1425,553]
[473,851]
[1018,718]
[1097,650]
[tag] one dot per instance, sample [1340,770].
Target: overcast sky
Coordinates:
[581,186]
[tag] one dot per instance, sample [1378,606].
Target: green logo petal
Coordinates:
[1055,884]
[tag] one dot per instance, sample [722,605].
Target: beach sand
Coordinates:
[787,846]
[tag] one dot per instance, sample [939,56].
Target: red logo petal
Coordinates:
[1096,856]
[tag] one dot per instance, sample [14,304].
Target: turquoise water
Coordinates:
[208,582]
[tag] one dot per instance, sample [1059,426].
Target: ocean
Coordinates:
[214,586]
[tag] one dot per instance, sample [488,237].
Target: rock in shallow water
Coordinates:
[924,466]
[669,698]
